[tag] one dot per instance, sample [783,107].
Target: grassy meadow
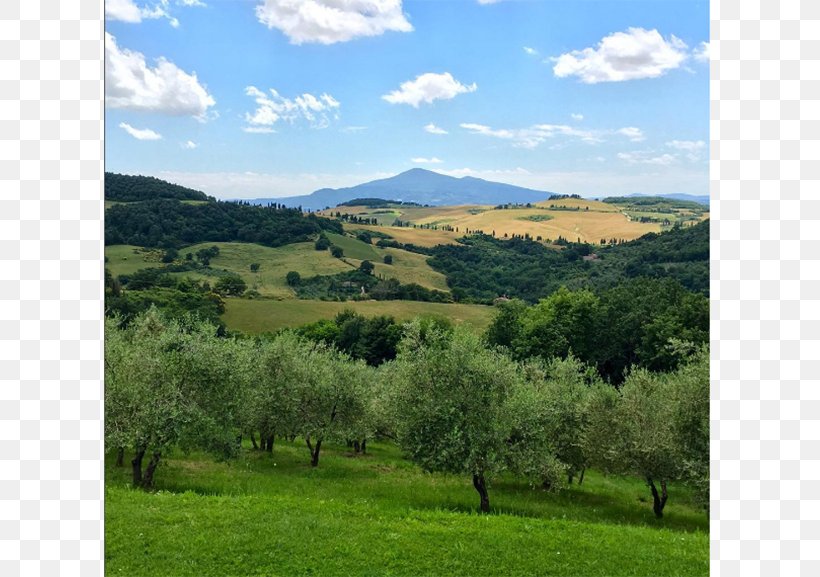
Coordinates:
[257,316]
[378,514]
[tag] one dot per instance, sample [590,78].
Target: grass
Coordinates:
[127,259]
[378,514]
[354,248]
[257,316]
[419,237]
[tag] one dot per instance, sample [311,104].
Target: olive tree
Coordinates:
[643,433]
[448,400]
[167,383]
[549,412]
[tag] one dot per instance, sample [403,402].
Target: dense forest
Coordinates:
[377,203]
[482,267]
[659,202]
[128,188]
[170,223]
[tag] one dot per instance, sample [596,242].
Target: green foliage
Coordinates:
[322,243]
[484,267]
[336,251]
[168,383]
[366,267]
[254,267]
[127,188]
[349,284]
[388,259]
[230,284]
[183,300]
[171,223]
[293,278]
[449,398]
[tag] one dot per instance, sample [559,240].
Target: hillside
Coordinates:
[418,186]
[130,188]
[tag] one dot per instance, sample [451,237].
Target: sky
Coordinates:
[273,98]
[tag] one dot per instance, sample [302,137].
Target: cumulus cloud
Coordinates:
[189,145]
[420,160]
[272,107]
[140,133]
[427,88]
[703,52]
[130,83]
[128,11]
[647,157]
[331,21]
[634,54]
[433,129]
[632,133]
[530,51]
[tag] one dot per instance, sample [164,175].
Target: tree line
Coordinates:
[452,403]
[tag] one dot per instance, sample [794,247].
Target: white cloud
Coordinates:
[427,88]
[140,133]
[258,130]
[354,128]
[636,53]
[530,51]
[703,52]
[489,1]
[128,11]
[632,133]
[433,129]
[317,111]
[686,145]
[331,21]
[420,160]
[647,157]
[577,116]
[190,145]
[131,83]
[534,135]
[122,10]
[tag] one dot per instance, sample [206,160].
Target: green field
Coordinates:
[275,263]
[127,259]
[257,316]
[378,514]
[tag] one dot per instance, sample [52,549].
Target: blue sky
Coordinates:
[268,98]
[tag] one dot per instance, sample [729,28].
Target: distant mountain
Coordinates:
[700,199]
[419,186]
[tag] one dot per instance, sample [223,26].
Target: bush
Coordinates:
[366,267]
[322,243]
[388,259]
[336,252]
[293,278]
[231,284]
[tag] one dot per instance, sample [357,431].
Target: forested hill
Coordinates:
[171,223]
[128,188]
[483,267]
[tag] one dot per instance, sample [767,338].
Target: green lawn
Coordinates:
[378,514]
[256,316]
[127,259]
[354,248]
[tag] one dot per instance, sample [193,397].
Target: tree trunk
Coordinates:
[570,476]
[136,467]
[309,444]
[356,446]
[148,478]
[253,441]
[581,478]
[481,486]
[314,454]
[364,446]
[349,443]
[659,501]
[270,443]
[120,456]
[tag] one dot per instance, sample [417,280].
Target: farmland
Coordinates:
[574,219]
